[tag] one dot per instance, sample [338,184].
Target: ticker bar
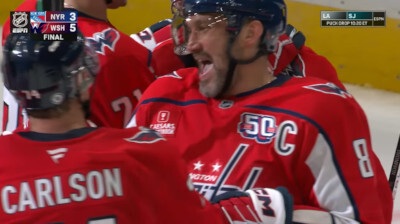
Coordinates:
[353,18]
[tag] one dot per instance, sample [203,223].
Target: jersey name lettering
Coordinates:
[45,192]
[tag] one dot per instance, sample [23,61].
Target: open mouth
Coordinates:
[205,67]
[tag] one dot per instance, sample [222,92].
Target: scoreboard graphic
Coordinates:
[46,25]
[353,18]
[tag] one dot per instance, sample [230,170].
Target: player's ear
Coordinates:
[252,32]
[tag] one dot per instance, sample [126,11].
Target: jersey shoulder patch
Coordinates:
[329,88]
[146,136]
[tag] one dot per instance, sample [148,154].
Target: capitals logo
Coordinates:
[37,27]
[259,127]
[329,88]
[106,38]
[213,177]
[146,135]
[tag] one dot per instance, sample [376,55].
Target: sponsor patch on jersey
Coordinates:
[106,38]
[165,121]
[57,154]
[146,135]
[259,127]
[329,88]
[163,116]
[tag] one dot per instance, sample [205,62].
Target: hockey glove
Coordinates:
[264,205]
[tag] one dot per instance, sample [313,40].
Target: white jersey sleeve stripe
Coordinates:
[11,121]
[132,122]
[329,189]
[148,42]
[317,217]
[312,216]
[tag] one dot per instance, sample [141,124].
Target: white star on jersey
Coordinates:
[216,167]
[198,165]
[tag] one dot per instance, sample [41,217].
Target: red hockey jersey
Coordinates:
[124,73]
[305,134]
[291,54]
[97,176]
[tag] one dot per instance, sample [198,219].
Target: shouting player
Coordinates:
[240,127]
[62,171]
[123,74]
[291,56]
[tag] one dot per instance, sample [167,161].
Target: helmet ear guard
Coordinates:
[42,74]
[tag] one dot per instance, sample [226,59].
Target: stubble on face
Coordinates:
[212,87]
[213,67]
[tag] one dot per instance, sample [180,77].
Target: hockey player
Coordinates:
[62,171]
[240,127]
[291,56]
[124,72]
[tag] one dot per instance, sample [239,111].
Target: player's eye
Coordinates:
[203,27]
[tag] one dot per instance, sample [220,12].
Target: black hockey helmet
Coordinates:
[272,13]
[42,74]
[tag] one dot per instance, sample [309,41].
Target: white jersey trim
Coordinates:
[132,122]
[328,187]
[150,44]
[13,112]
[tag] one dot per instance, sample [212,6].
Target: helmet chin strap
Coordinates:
[229,77]
[85,105]
[234,62]
[83,86]
[86,108]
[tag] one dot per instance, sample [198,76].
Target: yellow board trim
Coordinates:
[139,14]
[6,7]
[368,56]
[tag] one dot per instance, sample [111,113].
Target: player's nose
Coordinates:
[193,46]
